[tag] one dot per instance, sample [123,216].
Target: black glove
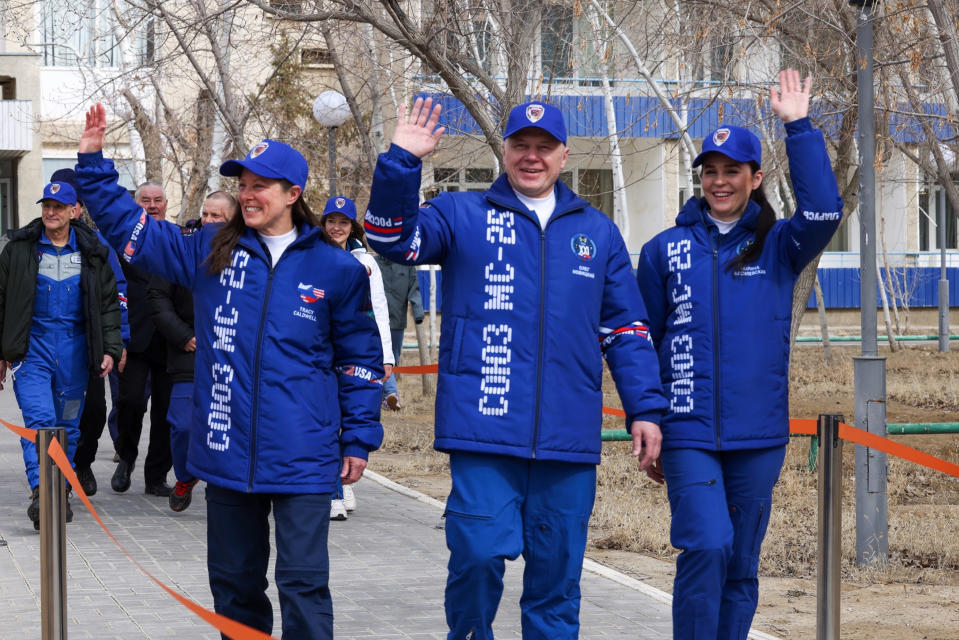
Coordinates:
[418,320]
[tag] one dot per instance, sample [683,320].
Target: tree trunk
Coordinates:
[893,346]
[823,328]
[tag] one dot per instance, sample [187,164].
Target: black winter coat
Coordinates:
[19,266]
[172,308]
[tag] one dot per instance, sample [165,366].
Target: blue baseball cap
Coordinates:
[62,192]
[536,115]
[271,159]
[734,142]
[339,204]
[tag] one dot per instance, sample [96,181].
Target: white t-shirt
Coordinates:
[276,245]
[542,207]
[724,226]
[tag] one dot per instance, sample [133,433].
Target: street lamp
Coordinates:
[331,110]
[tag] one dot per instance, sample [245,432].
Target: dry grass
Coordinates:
[632,513]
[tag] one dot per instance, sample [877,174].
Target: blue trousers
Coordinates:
[501,507]
[238,552]
[720,503]
[179,416]
[50,384]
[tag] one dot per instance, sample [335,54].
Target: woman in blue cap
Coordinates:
[718,287]
[287,364]
[339,222]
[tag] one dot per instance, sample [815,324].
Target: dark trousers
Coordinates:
[238,552]
[131,407]
[91,423]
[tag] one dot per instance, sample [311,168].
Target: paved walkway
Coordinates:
[388,567]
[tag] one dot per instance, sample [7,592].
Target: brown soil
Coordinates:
[915,596]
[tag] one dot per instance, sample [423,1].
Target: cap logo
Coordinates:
[259,148]
[340,202]
[534,112]
[720,136]
[54,188]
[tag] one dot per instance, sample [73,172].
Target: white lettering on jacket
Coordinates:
[225,319]
[681,346]
[496,354]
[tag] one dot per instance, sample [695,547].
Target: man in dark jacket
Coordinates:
[146,362]
[402,288]
[59,319]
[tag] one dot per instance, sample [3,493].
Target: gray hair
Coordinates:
[149,183]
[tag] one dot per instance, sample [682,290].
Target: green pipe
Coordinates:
[916,428]
[926,338]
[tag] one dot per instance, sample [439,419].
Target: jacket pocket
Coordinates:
[459,325]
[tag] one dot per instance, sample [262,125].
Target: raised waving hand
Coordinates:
[92,139]
[418,133]
[791,101]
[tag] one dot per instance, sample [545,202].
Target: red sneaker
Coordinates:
[182,495]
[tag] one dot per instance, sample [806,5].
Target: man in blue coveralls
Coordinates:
[59,318]
[537,289]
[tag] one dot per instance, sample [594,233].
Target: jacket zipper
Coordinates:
[539,355]
[714,241]
[256,376]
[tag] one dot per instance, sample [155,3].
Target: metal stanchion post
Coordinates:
[830,528]
[53,539]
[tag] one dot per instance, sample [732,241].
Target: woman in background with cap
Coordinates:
[339,222]
[287,361]
[718,287]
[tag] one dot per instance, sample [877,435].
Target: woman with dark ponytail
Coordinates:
[286,395]
[718,288]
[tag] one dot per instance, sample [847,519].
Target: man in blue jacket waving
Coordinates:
[537,288]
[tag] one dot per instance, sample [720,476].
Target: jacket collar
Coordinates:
[81,236]
[250,240]
[694,212]
[501,194]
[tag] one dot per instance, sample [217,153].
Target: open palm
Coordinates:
[418,133]
[92,139]
[791,101]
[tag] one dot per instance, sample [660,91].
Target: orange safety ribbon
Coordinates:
[871,440]
[423,368]
[232,628]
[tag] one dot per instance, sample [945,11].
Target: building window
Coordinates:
[317,57]
[79,33]
[929,220]
[684,195]
[556,39]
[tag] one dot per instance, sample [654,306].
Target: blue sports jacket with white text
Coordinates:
[288,358]
[723,337]
[528,314]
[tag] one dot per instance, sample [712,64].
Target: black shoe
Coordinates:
[87,481]
[69,516]
[182,495]
[161,489]
[121,477]
[33,511]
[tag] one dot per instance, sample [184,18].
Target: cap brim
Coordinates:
[699,159]
[56,199]
[532,126]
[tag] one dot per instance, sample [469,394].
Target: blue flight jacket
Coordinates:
[528,314]
[288,359]
[723,337]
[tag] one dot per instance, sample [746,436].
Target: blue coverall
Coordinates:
[50,382]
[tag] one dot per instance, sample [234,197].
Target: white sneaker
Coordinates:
[337,510]
[349,498]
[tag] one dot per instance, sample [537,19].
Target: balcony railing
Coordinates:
[16,128]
